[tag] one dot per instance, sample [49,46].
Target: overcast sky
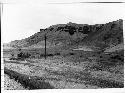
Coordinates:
[21,20]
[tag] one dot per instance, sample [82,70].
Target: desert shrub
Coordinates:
[12,57]
[42,55]
[60,28]
[57,54]
[70,29]
[22,55]
[71,53]
[51,29]
[86,29]
[49,55]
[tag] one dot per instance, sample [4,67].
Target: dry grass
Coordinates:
[62,72]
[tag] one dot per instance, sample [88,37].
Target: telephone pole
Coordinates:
[45,46]
[45,37]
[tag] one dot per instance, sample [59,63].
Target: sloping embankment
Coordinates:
[11,84]
[28,82]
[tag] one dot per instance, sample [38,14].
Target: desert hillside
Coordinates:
[98,36]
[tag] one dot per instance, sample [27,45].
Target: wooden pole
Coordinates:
[45,46]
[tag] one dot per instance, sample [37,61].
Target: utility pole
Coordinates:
[45,37]
[45,46]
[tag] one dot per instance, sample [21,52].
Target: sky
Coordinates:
[21,20]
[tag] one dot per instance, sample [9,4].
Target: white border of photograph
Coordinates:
[105,90]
